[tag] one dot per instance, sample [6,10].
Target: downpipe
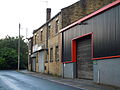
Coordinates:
[98,80]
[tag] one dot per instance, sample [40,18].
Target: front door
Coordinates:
[34,64]
[41,61]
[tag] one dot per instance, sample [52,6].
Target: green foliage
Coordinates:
[10,57]
[2,63]
[9,53]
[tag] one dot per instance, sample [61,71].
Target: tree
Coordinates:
[2,63]
[9,50]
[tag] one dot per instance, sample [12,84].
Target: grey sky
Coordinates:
[30,13]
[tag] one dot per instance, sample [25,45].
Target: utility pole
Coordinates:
[19,49]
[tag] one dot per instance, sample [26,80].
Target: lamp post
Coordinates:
[19,49]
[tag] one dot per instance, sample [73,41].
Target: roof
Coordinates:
[92,15]
[30,38]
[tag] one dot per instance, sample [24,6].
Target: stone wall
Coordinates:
[37,38]
[54,40]
[80,9]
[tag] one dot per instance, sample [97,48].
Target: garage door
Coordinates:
[84,62]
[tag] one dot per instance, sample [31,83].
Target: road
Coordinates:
[12,80]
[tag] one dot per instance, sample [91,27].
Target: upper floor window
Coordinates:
[35,38]
[51,54]
[41,35]
[56,26]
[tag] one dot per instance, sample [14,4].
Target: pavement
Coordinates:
[78,83]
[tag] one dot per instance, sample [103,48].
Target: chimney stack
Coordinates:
[48,14]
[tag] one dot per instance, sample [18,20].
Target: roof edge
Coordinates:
[91,15]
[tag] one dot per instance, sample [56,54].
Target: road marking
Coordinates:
[9,83]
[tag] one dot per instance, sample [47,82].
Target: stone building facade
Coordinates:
[30,42]
[53,65]
[47,40]
[39,42]
[47,46]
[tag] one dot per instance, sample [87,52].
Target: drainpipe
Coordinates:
[47,51]
[98,80]
[62,54]
[46,46]
[63,70]
[48,17]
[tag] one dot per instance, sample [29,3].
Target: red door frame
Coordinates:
[74,54]
[73,49]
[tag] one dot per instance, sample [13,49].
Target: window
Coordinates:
[57,53]
[46,57]
[51,54]
[35,38]
[41,36]
[56,26]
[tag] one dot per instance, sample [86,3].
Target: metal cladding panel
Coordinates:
[106,32]
[108,71]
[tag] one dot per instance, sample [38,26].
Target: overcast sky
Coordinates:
[31,14]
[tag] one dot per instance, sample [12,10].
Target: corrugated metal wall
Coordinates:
[106,34]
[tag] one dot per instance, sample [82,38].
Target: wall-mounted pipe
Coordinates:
[98,81]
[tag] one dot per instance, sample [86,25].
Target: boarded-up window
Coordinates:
[56,53]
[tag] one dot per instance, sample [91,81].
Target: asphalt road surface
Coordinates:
[12,80]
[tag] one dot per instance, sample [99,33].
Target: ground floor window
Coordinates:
[57,53]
